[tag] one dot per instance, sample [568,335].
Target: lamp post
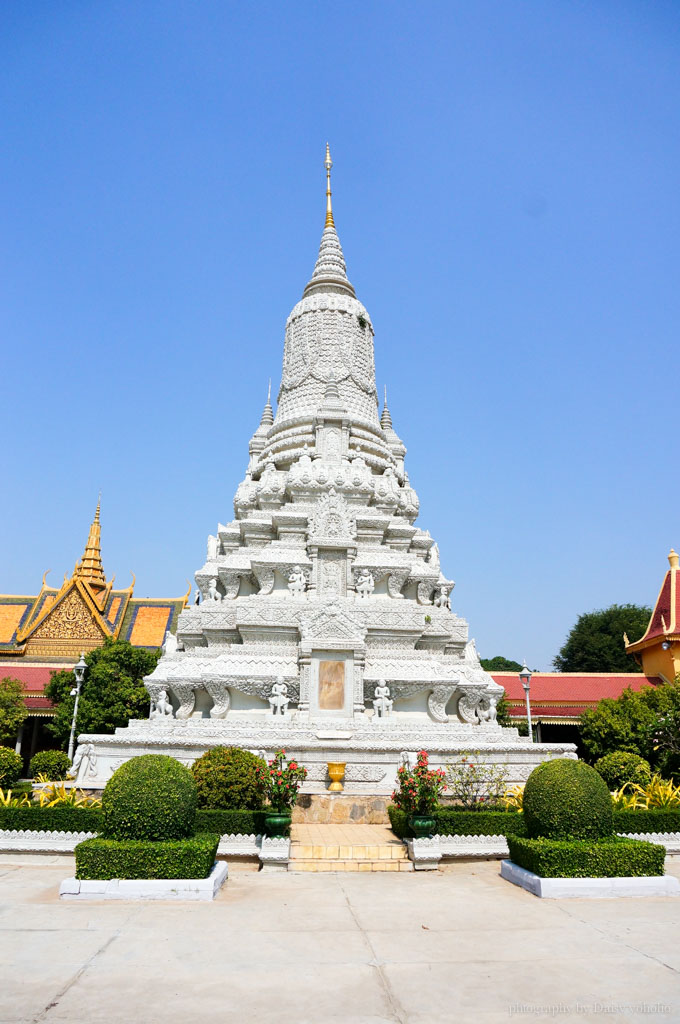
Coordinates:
[79,673]
[525,679]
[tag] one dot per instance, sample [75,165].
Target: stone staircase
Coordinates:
[346,848]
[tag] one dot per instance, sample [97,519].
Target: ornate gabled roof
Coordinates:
[663,623]
[83,612]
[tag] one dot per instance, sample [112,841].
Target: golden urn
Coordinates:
[337,774]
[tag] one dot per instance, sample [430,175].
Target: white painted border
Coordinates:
[589,888]
[146,888]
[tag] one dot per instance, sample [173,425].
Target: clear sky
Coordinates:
[506,191]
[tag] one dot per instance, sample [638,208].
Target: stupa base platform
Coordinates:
[370,751]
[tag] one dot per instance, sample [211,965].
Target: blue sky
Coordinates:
[505,189]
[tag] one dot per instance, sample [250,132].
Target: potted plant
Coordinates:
[279,782]
[418,794]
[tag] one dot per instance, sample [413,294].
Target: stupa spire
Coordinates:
[268,412]
[330,272]
[90,567]
[328,163]
[385,419]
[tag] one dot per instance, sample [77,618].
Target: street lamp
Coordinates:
[79,673]
[525,679]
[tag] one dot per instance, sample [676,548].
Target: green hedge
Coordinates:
[52,819]
[233,822]
[55,764]
[85,819]
[451,822]
[227,777]
[610,857]
[151,798]
[142,858]
[655,820]
[566,799]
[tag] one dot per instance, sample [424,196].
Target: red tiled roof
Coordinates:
[36,703]
[34,677]
[573,686]
[568,694]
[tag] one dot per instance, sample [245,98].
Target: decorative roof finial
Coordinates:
[90,566]
[328,163]
[673,559]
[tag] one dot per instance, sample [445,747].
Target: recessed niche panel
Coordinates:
[331,685]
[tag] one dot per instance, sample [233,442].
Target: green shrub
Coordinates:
[451,822]
[152,797]
[231,822]
[138,858]
[51,819]
[54,764]
[565,799]
[655,820]
[226,779]
[10,767]
[610,857]
[621,767]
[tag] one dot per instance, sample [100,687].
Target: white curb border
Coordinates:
[146,888]
[589,888]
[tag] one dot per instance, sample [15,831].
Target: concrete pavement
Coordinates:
[420,948]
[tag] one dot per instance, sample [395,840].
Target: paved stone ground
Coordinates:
[424,948]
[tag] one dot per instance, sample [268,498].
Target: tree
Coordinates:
[644,722]
[503,712]
[500,664]
[595,643]
[112,693]
[13,709]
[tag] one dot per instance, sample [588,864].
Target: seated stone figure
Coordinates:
[279,699]
[162,707]
[382,703]
[213,592]
[442,600]
[365,584]
[297,581]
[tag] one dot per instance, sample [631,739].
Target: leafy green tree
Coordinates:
[644,722]
[13,709]
[112,693]
[595,642]
[503,712]
[500,664]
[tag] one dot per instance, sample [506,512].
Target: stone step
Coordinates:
[305,851]
[321,864]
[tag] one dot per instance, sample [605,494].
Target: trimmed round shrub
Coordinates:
[620,768]
[10,766]
[149,797]
[52,763]
[226,779]
[565,799]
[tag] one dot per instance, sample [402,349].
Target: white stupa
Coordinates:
[324,625]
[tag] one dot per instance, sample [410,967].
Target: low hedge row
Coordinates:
[51,819]
[89,819]
[462,823]
[657,820]
[142,858]
[611,857]
[505,823]
[234,822]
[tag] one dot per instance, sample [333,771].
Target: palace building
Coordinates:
[46,632]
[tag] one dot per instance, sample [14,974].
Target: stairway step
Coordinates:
[349,865]
[305,851]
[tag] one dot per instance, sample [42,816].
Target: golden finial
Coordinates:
[328,163]
[673,559]
[98,509]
